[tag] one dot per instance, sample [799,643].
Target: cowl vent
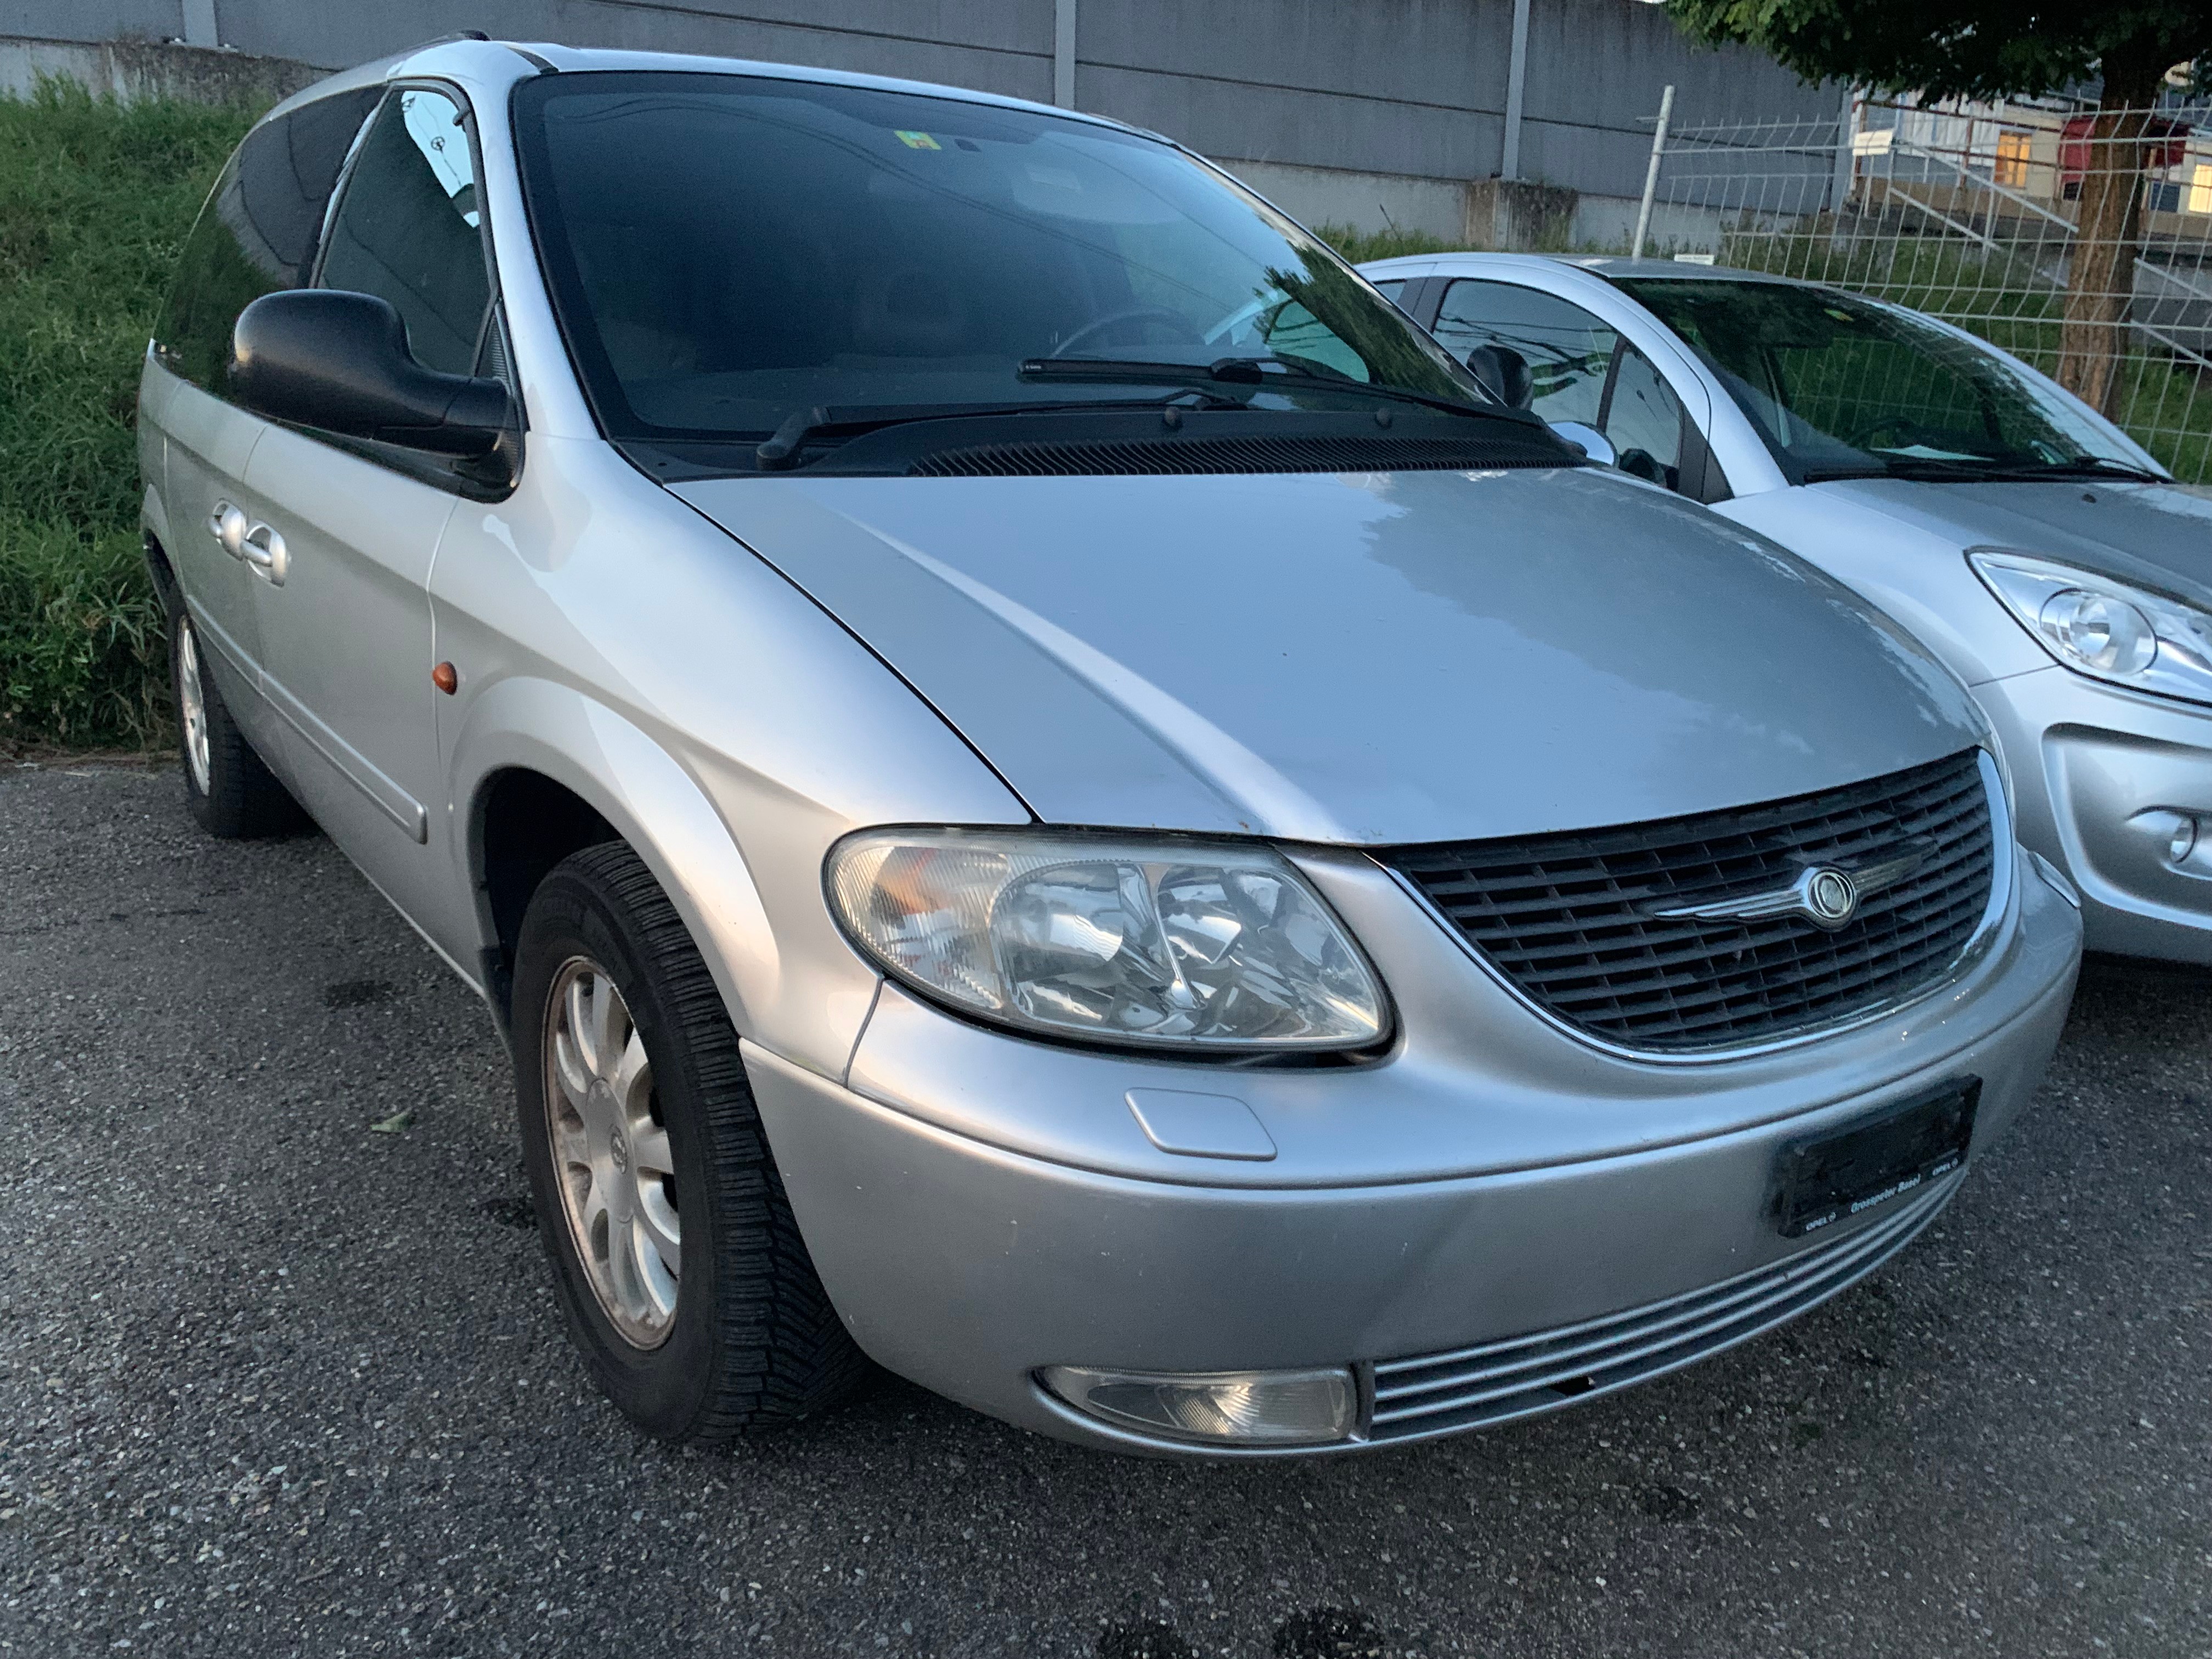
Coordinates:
[1189,456]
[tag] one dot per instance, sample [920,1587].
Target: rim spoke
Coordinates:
[578,1023]
[609,1022]
[656,1274]
[632,1076]
[569,1068]
[656,1218]
[598,1225]
[649,1150]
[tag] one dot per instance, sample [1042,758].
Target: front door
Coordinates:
[257,234]
[345,622]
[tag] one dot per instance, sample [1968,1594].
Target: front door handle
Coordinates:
[228,525]
[264,550]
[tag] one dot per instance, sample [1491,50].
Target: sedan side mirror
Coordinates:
[1593,443]
[1504,372]
[323,358]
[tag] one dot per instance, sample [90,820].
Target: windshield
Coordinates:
[727,252]
[1841,387]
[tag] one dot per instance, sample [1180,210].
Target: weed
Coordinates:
[95,200]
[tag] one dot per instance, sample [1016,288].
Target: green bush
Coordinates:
[95,200]
[81,637]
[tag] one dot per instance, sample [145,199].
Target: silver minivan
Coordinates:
[1167,868]
[2039,551]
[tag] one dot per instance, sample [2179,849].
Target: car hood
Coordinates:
[2155,535]
[1358,658]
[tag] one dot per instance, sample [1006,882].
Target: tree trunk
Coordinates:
[2100,282]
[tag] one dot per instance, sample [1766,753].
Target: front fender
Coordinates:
[807,1003]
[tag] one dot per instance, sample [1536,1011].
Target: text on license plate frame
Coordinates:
[1831,1177]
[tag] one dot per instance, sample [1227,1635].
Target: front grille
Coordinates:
[1510,446]
[1566,918]
[1524,1376]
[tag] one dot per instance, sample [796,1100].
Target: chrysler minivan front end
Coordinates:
[1048,794]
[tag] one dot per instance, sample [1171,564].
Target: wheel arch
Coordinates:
[154,535]
[539,771]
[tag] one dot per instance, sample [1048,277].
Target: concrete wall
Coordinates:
[1370,112]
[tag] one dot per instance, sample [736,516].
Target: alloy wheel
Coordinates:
[610,1153]
[192,706]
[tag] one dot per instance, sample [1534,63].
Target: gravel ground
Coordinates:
[273,1382]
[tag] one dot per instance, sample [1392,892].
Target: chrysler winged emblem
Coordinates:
[1826,895]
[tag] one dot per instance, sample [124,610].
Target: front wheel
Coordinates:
[681,1271]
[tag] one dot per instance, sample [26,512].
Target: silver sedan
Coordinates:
[1167,868]
[2039,551]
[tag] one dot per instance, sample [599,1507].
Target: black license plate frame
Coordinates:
[1836,1175]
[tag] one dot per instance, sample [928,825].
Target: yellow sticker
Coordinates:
[916,139]
[1839,315]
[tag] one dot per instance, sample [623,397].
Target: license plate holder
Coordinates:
[1837,1174]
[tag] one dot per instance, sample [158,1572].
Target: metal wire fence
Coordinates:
[2080,241]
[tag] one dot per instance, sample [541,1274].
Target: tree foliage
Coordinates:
[1982,49]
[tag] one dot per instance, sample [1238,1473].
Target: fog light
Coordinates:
[1246,1408]
[2184,839]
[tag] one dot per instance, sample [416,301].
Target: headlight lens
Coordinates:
[1157,944]
[2106,628]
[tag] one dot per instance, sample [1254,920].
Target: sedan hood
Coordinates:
[1357,658]
[2155,535]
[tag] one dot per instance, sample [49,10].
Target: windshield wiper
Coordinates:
[802,427]
[1242,371]
[2101,466]
[1930,469]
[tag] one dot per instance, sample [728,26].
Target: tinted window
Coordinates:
[726,251]
[1643,420]
[405,229]
[1391,289]
[1836,385]
[1568,351]
[257,232]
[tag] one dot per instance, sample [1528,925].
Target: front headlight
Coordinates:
[1154,943]
[2108,629]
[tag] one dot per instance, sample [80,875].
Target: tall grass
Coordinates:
[95,200]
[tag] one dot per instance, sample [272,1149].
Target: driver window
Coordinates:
[1567,349]
[1643,420]
[406,230]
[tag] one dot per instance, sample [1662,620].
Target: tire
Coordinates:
[229,790]
[737,1332]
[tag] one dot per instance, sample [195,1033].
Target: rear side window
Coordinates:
[406,231]
[259,230]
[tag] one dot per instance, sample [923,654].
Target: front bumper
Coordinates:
[980,1207]
[2102,776]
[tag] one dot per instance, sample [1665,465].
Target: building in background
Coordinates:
[1524,123]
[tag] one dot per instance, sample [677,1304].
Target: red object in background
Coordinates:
[2074,146]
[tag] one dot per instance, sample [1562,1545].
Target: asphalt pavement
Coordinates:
[280,1371]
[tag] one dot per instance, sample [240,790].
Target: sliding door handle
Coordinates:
[264,550]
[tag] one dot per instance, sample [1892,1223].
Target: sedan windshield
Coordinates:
[1841,387]
[729,253]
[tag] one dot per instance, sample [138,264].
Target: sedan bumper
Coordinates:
[2104,778]
[964,1255]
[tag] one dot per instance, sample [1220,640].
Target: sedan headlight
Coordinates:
[1156,943]
[2108,629]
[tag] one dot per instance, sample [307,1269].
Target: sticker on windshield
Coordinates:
[1839,315]
[916,139]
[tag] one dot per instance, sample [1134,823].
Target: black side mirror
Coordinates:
[1504,372]
[339,362]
